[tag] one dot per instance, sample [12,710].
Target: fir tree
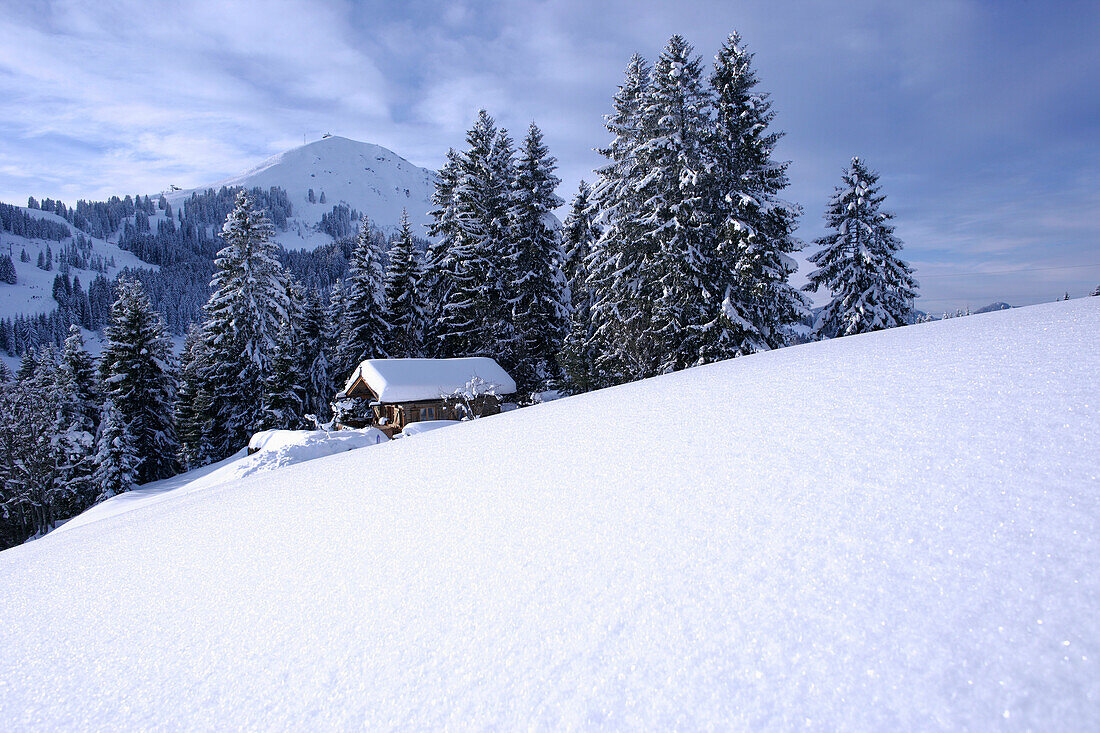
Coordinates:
[752,262]
[871,287]
[117,469]
[77,418]
[540,307]
[364,331]
[618,265]
[136,371]
[1096,291]
[195,407]
[404,301]
[314,353]
[250,300]
[437,282]
[7,271]
[282,405]
[334,319]
[475,317]
[579,233]
[33,495]
[675,220]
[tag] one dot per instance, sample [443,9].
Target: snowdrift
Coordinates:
[898,530]
[266,451]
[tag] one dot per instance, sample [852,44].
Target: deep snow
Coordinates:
[267,451]
[896,530]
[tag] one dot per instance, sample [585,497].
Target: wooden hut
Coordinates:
[391,393]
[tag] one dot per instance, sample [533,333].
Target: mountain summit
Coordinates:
[369,178]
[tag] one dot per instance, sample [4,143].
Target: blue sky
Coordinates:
[983,118]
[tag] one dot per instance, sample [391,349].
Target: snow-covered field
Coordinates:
[892,531]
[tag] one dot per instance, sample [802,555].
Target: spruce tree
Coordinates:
[579,233]
[195,415]
[752,262]
[7,271]
[250,300]
[283,392]
[404,300]
[439,258]
[364,331]
[136,370]
[117,460]
[871,287]
[540,306]
[314,353]
[671,250]
[32,493]
[77,418]
[334,320]
[618,265]
[474,317]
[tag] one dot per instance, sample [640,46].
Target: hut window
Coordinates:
[427,413]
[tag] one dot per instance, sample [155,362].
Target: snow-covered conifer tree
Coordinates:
[250,300]
[675,237]
[7,271]
[438,259]
[32,456]
[136,370]
[618,266]
[282,401]
[871,287]
[579,233]
[195,402]
[752,262]
[540,307]
[404,299]
[314,352]
[364,330]
[475,317]
[77,418]
[117,460]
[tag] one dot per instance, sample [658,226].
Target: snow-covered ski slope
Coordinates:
[892,531]
[33,293]
[367,177]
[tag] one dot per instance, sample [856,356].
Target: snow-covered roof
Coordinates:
[404,380]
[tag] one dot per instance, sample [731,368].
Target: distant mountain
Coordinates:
[368,178]
[993,307]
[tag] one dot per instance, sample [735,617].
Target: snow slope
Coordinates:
[366,177]
[899,530]
[33,293]
[267,451]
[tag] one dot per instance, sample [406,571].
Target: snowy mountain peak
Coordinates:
[369,178]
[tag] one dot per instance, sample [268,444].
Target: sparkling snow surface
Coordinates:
[892,531]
